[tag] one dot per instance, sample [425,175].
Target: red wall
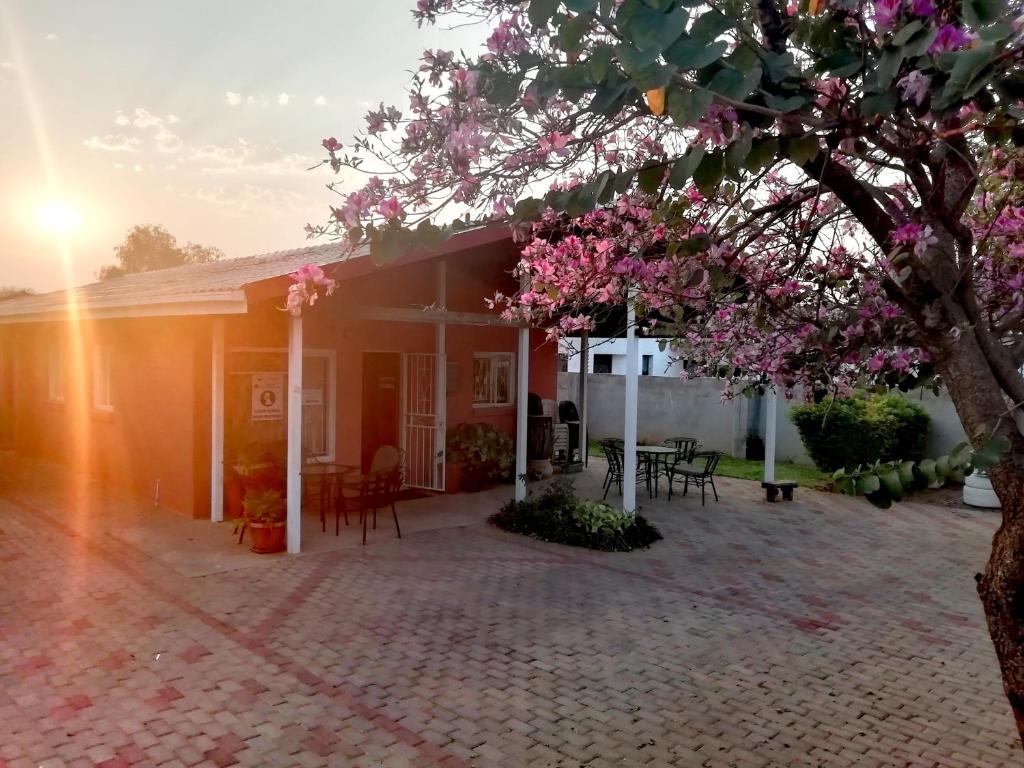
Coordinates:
[148,437]
[159,429]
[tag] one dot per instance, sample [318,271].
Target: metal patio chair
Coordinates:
[614,452]
[700,471]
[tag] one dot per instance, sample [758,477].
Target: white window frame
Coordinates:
[332,376]
[492,357]
[54,375]
[102,392]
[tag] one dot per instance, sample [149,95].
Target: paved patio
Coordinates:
[818,633]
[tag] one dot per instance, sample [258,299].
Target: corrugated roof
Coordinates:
[216,287]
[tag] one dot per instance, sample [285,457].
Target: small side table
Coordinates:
[773,489]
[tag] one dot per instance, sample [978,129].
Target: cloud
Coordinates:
[122,119]
[283,99]
[6,65]
[51,36]
[320,101]
[167,142]
[244,200]
[146,119]
[233,99]
[244,158]
[114,142]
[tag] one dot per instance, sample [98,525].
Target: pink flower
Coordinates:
[887,12]
[554,142]
[331,144]
[391,209]
[922,8]
[950,38]
[914,86]
[308,272]
[877,362]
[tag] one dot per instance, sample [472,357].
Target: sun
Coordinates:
[59,217]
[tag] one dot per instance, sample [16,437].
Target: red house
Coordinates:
[154,382]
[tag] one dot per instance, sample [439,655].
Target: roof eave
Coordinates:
[220,303]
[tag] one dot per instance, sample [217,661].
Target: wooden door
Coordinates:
[382,402]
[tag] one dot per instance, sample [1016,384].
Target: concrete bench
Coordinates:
[774,488]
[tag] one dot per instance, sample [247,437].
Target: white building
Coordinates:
[608,355]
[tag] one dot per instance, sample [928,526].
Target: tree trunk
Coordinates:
[983,411]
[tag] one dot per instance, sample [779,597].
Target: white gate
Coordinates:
[421,432]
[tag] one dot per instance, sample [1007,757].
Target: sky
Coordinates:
[200,116]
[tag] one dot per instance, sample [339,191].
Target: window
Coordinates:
[55,375]
[645,365]
[602,363]
[101,395]
[563,362]
[492,378]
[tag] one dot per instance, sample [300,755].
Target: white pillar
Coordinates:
[522,392]
[771,399]
[632,397]
[294,478]
[217,422]
[582,396]
[441,378]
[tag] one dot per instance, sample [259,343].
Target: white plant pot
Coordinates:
[978,491]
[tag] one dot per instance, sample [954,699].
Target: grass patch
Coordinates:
[745,469]
[556,515]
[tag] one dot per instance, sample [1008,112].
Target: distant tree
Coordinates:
[149,246]
[13,292]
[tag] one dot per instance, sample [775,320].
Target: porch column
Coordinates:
[294,479]
[632,397]
[522,392]
[582,395]
[217,421]
[771,401]
[441,378]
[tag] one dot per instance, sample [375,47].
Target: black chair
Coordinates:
[685,447]
[614,452]
[700,471]
[366,494]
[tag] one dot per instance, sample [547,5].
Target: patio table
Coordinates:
[326,476]
[653,455]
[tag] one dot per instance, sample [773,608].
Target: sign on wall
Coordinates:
[267,396]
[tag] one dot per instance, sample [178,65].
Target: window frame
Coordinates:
[102,379]
[492,358]
[54,374]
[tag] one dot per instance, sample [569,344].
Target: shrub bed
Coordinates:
[850,431]
[556,515]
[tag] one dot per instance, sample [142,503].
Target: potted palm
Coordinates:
[265,515]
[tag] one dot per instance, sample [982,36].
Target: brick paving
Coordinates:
[818,633]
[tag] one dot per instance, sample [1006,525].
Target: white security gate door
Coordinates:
[421,433]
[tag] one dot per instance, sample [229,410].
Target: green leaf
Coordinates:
[842,63]
[685,106]
[800,149]
[654,76]
[649,28]
[709,173]
[571,32]
[787,103]
[891,484]
[737,151]
[608,99]
[888,66]
[980,12]
[683,168]
[710,25]
[695,53]
[960,455]
[927,469]
[734,84]
[906,32]
[650,177]
[600,62]
[965,79]
[634,59]
[868,483]
[541,11]
[762,152]
[906,473]
[878,103]
[990,453]
[581,6]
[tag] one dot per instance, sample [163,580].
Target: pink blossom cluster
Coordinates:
[308,281]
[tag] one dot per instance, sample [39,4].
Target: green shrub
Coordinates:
[485,452]
[556,515]
[850,431]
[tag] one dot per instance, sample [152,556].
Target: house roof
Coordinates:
[216,288]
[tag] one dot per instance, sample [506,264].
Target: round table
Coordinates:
[653,456]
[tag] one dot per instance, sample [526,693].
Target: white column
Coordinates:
[522,392]
[771,399]
[632,397]
[582,395]
[217,422]
[294,478]
[441,378]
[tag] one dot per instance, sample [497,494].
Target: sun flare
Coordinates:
[59,217]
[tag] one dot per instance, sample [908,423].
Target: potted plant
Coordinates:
[265,515]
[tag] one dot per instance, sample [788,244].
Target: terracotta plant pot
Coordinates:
[267,537]
[452,478]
